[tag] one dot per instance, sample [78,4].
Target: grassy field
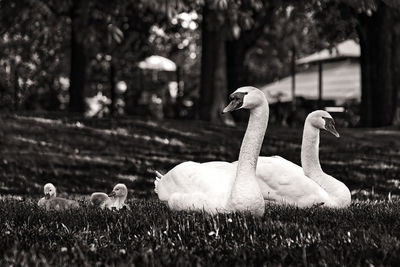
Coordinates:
[84,155]
[364,234]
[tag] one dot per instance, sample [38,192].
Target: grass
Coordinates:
[84,155]
[364,234]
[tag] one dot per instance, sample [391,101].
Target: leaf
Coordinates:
[116,33]
[236,31]
[66,228]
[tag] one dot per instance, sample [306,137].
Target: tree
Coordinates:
[249,22]
[229,29]
[31,52]
[126,25]
[120,44]
[50,15]
[213,65]
[377,23]
[49,40]
[245,27]
[79,17]
[379,34]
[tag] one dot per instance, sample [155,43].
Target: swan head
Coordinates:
[247,97]
[321,119]
[119,191]
[49,190]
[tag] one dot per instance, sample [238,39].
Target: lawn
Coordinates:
[365,233]
[84,155]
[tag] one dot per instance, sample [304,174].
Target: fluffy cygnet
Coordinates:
[114,200]
[50,201]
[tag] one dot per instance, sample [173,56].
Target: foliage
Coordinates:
[32,52]
[36,42]
[179,39]
[150,234]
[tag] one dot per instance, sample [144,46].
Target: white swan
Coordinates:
[211,186]
[51,202]
[115,200]
[285,182]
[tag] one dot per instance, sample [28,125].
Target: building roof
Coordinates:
[340,82]
[346,49]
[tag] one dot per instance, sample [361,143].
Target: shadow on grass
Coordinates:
[84,155]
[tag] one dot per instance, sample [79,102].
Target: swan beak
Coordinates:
[112,194]
[233,105]
[236,102]
[47,196]
[330,127]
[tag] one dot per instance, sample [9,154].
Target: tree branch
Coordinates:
[53,10]
[263,18]
[392,3]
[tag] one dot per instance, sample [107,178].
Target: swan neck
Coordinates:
[337,191]
[245,193]
[252,142]
[310,151]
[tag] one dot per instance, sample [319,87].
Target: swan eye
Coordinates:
[329,120]
[237,95]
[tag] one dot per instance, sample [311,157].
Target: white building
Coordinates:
[340,75]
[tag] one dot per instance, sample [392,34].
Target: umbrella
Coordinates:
[157,63]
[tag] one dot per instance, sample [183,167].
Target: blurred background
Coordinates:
[180,59]
[93,93]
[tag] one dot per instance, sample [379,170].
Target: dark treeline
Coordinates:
[54,55]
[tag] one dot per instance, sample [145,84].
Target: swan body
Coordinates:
[115,200]
[289,185]
[281,180]
[52,202]
[204,185]
[216,187]
[285,182]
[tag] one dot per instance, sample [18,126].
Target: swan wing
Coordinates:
[212,179]
[282,181]
[278,169]
[219,165]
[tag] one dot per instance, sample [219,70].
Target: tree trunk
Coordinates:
[213,68]
[78,60]
[113,92]
[236,69]
[379,67]
[220,83]
[208,66]
[396,66]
